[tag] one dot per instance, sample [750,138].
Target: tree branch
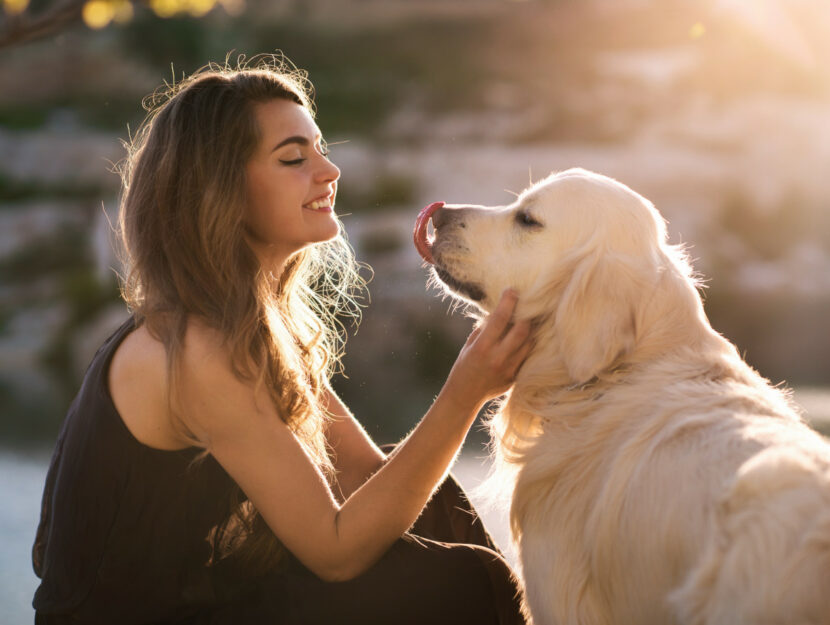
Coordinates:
[18,29]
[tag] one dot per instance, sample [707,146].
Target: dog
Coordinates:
[656,478]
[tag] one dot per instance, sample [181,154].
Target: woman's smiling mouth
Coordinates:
[322,204]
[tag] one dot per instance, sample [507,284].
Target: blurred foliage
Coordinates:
[23,117]
[379,68]
[364,74]
[182,38]
[382,242]
[773,233]
[780,336]
[391,388]
[29,418]
[56,254]
[14,190]
[85,296]
[61,261]
[451,64]
[388,190]
[392,190]
[779,328]
[435,351]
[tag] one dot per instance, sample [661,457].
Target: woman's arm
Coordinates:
[354,454]
[337,542]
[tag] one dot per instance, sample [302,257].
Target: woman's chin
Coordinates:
[333,230]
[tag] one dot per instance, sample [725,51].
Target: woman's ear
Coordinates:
[596,317]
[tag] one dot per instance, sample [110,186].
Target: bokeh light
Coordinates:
[15,7]
[98,13]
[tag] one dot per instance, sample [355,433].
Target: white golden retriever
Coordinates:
[656,478]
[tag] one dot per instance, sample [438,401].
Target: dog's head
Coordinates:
[583,251]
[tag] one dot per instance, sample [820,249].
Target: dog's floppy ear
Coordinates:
[597,314]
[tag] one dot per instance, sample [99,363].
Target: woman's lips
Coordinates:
[324,203]
[422,243]
[319,209]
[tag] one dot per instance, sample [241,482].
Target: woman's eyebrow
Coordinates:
[295,139]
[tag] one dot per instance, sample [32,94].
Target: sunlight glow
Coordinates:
[697,30]
[165,8]
[772,21]
[14,7]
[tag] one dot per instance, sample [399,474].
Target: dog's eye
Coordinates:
[526,220]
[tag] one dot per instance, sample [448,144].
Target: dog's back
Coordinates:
[767,559]
[699,502]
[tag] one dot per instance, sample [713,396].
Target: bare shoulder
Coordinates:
[214,400]
[138,384]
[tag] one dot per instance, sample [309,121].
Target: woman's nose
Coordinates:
[329,172]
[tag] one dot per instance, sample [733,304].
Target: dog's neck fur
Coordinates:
[671,332]
[670,320]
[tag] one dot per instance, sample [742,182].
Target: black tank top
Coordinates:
[123,533]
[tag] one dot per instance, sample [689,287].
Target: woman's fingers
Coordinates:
[506,345]
[493,353]
[510,349]
[475,333]
[514,338]
[498,320]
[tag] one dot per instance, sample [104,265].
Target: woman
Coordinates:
[206,471]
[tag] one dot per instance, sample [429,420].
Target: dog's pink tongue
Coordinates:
[422,243]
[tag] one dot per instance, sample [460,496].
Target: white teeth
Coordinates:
[316,205]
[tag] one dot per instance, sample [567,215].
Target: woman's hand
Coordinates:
[487,364]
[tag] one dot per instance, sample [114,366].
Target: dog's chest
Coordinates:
[577,534]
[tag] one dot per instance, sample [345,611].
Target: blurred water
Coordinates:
[21,487]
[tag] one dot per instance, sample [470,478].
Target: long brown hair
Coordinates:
[186,255]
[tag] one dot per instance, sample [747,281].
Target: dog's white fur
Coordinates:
[656,478]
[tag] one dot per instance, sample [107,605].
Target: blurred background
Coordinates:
[716,110]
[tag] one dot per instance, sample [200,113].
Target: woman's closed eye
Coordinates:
[294,161]
[301,159]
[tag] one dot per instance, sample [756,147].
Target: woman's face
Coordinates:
[290,184]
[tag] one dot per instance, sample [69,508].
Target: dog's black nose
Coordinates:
[445,215]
